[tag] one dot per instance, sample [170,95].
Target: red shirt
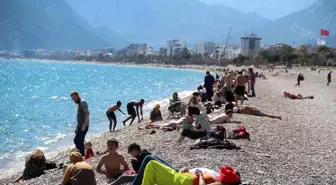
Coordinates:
[89,153]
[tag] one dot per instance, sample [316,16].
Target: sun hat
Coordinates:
[227,175]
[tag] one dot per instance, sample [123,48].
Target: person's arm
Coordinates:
[86,113]
[141,112]
[19,179]
[121,111]
[201,179]
[180,139]
[160,116]
[99,166]
[67,174]
[137,111]
[124,164]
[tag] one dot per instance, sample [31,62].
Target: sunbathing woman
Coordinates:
[223,118]
[296,97]
[156,172]
[245,109]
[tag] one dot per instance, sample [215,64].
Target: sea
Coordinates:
[36,110]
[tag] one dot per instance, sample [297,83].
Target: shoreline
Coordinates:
[201,68]
[60,154]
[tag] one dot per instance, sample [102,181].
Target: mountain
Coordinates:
[304,26]
[51,24]
[156,21]
[274,10]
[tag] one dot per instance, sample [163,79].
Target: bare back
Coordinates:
[241,80]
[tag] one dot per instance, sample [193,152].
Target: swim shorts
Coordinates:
[239,90]
[131,110]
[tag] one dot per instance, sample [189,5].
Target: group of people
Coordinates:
[222,93]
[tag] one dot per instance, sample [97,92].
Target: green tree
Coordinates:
[185,54]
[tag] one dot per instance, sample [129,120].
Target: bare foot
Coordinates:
[124,123]
[279,118]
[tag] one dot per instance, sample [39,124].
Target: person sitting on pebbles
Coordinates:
[155,114]
[250,110]
[176,105]
[78,172]
[34,167]
[296,97]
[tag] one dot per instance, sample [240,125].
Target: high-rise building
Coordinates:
[175,46]
[205,47]
[250,45]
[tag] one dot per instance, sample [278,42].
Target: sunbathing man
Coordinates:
[223,118]
[245,109]
[131,111]
[112,162]
[296,97]
[111,115]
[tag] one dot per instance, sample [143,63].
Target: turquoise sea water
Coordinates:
[37,112]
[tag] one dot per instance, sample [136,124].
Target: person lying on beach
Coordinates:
[131,111]
[34,166]
[245,109]
[173,124]
[154,171]
[155,114]
[111,115]
[296,97]
[223,118]
[78,172]
[89,152]
[138,156]
[176,105]
[112,162]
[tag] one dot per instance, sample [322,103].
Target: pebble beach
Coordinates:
[299,149]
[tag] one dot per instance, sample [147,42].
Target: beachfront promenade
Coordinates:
[300,149]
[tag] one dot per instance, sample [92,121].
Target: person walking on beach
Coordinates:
[329,78]
[111,115]
[252,81]
[299,79]
[131,111]
[209,81]
[82,121]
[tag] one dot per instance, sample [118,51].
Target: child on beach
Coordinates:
[111,115]
[89,152]
[112,161]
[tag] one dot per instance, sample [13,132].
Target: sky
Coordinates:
[271,9]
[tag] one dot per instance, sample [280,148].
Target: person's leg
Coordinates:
[236,98]
[110,120]
[157,173]
[79,140]
[133,118]
[252,89]
[124,179]
[242,99]
[129,117]
[115,123]
[272,116]
[163,162]
[141,171]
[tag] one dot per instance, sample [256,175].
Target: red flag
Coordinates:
[324,32]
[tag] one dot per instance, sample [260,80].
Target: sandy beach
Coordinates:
[300,149]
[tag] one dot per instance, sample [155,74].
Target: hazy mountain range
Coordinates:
[272,9]
[115,23]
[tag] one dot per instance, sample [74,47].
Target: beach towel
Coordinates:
[213,143]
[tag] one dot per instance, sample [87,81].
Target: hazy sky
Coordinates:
[271,9]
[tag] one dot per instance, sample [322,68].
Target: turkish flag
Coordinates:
[324,32]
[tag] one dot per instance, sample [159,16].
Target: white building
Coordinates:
[250,45]
[232,52]
[175,46]
[205,47]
